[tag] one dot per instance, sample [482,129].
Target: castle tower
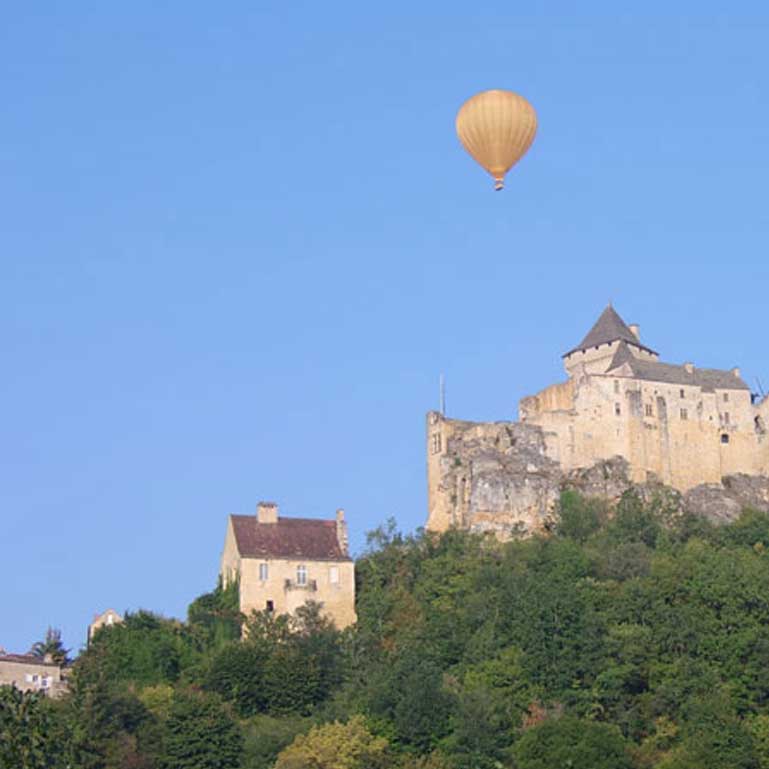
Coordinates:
[597,349]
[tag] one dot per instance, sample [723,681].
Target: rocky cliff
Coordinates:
[500,479]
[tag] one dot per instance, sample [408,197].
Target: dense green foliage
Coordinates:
[26,731]
[627,637]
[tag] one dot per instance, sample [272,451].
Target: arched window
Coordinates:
[301,574]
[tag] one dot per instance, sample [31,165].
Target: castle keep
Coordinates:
[622,415]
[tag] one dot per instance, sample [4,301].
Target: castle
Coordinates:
[680,425]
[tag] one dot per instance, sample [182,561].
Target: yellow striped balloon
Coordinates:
[497,128]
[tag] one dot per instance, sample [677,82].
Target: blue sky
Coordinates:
[240,241]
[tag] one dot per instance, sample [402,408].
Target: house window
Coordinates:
[683,393]
[270,606]
[617,409]
[649,410]
[333,575]
[301,575]
[726,417]
[726,397]
[724,438]
[616,385]
[264,572]
[684,414]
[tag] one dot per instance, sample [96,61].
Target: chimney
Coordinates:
[341,531]
[736,372]
[635,329]
[689,368]
[267,512]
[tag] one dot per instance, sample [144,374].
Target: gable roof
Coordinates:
[608,328]
[310,538]
[709,379]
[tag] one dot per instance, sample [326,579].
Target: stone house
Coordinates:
[32,674]
[680,425]
[105,619]
[282,563]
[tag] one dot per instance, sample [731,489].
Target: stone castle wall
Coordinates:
[678,434]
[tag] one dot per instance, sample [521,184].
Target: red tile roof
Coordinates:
[309,538]
[26,659]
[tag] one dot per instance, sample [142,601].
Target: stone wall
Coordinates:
[31,675]
[282,587]
[683,435]
[502,477]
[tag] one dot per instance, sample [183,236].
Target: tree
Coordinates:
[200,733]
[216,615]
[266,736]
[571,742]
[579,518]
[236,673]
[52,647]
[145,650]
[25,731]
[336,746]
[106,723]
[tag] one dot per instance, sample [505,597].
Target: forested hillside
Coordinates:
[636,639]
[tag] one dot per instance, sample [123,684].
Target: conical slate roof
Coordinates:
[608,328]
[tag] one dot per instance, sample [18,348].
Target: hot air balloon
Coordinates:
[497,128]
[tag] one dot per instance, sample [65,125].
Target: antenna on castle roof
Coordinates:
[443,395]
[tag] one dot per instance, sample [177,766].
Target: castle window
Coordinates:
[617,409]
[301,575]
[264,572]
[726,397]
[649,410]
[616,385]
[726,417]
[270,606]
[683,393]
[333,575]
[724,438]
[436,447]
[684,414]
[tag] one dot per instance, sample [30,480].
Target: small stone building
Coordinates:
[284,562]
[105,619]
[32,674]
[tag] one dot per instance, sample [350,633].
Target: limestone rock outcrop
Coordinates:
[497,477]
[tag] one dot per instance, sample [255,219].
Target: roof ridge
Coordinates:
[285,519]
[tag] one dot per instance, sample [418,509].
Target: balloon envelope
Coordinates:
[497,128]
